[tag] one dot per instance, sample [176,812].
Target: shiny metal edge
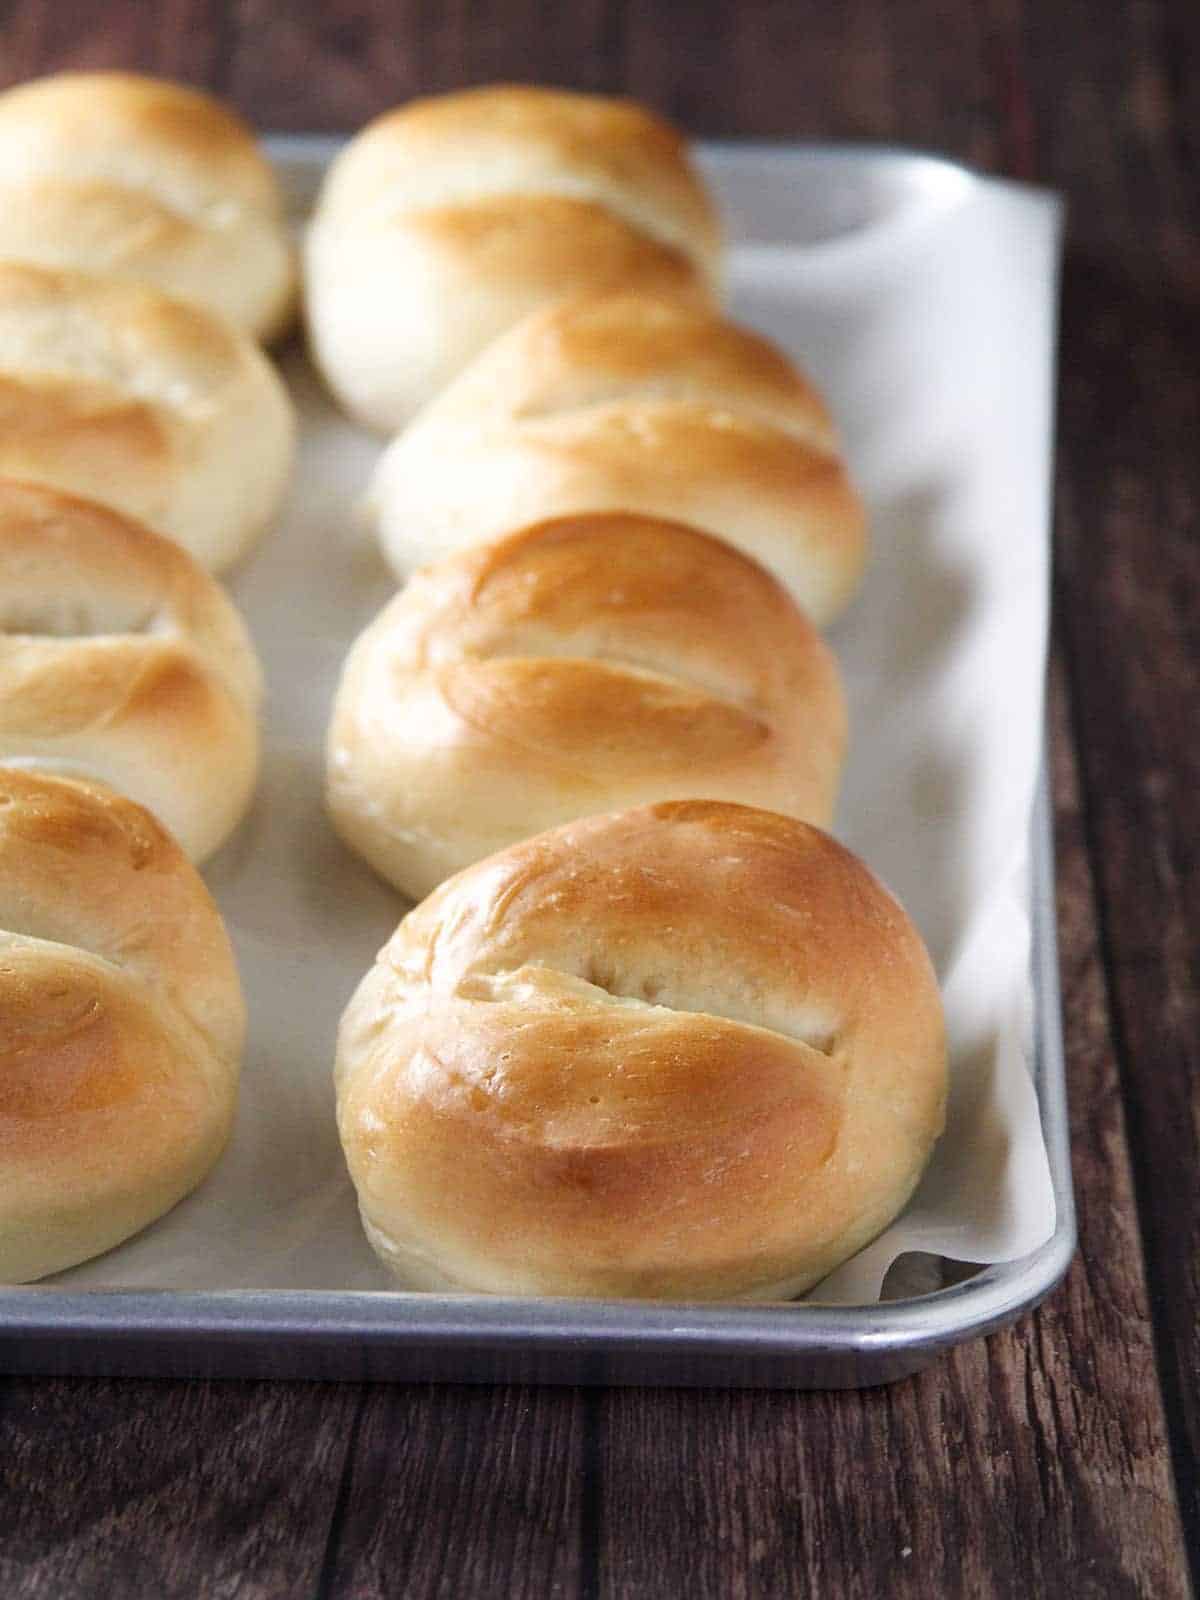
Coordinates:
[316,150]
[468,1339]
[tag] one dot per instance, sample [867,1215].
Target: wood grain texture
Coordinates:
[482,1497]
[184,39]
[1123,144]
[1062,1458]
[126,1490]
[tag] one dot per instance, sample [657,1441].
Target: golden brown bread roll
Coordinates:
[115,174]
[689,1051]
[121,1024]
[120,659]
[115,392]
[630,403]
[445,222]
[581,665]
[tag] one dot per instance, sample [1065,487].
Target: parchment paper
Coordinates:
[923,301]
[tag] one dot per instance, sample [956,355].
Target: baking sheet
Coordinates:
[923,301]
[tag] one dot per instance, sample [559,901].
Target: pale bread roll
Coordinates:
[121,659]
[121,1024]
[692,1051]
[631,402]
[133,177]
[445,222]
[117,393]
[581,665]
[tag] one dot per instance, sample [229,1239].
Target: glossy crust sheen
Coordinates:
[638,403]
[693,1050]
[121,1024]
[121,659]
[118,393]
[581,665]
[116,174]
[445,222]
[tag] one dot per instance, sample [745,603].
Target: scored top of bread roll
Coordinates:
[631,402]
[582,664]
[121,659]
[121,1023]
[113,173]
[445,222]
[123,395]
[692,1050]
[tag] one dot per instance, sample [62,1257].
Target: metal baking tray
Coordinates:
[478,1339]
[320,1334]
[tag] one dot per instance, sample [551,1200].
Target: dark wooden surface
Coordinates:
[1059,1459]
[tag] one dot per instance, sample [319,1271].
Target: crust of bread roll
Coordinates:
[122,660]
[134,177]
[687,1051]
[122,395]
[631,402]
[445,222]
[584,664]
[121,1024]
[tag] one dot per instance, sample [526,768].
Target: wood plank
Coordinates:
[1130,561]
[180,1491]
[460,1492]
[183,39]
[859,70]
[324,67]
[370,55]
[1032,1464]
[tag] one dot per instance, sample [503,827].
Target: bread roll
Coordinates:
[121,659]
[583,664]
[161,410]
[121,1024]
[444,223]
[111,173]
[631,403]
[689,1051]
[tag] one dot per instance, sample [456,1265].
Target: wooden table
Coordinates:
[1059,1459]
